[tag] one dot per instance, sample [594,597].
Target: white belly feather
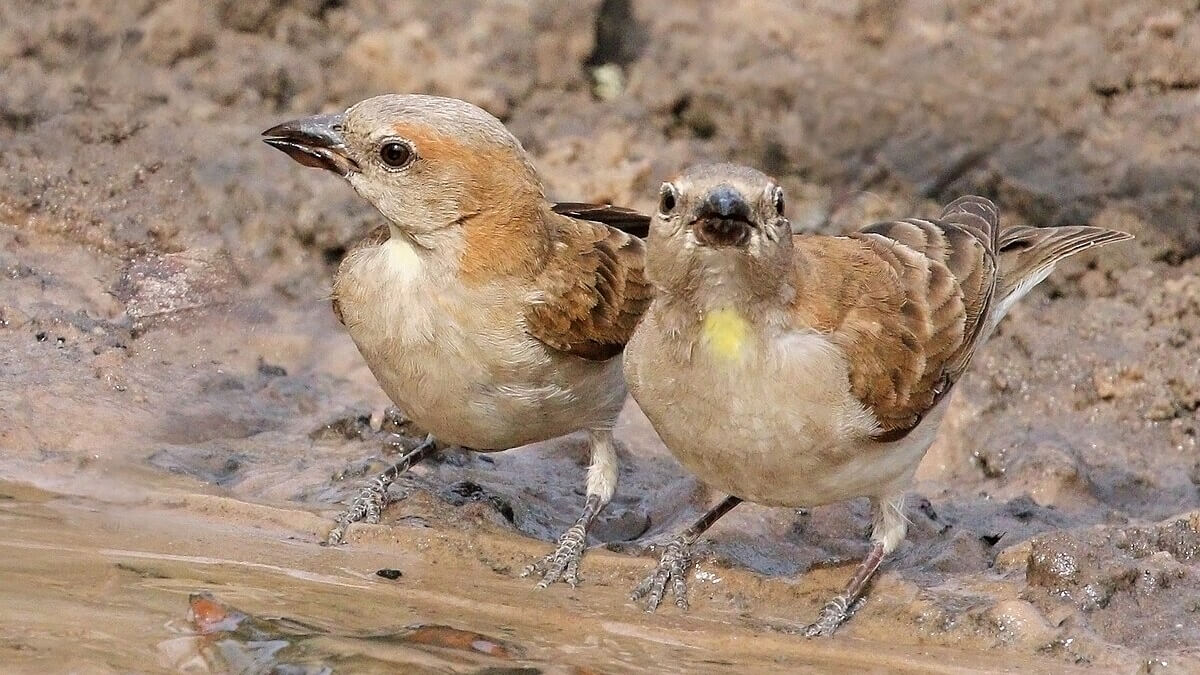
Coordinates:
[458,360]
[770,420]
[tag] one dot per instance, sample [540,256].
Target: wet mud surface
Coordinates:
[181,413]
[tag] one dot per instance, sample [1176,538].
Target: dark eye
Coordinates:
[778,198]
[667,198]
[396,154]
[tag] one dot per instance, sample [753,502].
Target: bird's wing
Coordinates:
[591,292]
[912,307]
[625,220]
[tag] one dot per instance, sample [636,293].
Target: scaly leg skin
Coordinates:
[371,499]
[563,563]
[672,569]
[676,559]
[887,532]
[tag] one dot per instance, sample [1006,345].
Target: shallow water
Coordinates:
[92,587]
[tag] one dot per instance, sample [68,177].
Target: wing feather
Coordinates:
[591,292]
[910,338]
[626,220]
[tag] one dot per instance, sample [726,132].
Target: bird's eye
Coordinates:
[667,199]
[396,154]
[778,199]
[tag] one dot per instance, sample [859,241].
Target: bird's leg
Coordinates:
[673,565]
[888,531]
[371,499]
[563,563]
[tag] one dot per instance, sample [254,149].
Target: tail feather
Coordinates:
[1027,255]
[976,270]
[626,220]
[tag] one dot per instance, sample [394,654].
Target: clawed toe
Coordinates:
[367,507]
[832,616]
[672,569]
[823,627]
[563,563]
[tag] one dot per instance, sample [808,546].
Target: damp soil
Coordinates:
[181,415]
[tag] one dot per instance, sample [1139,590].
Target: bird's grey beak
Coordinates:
[723,219]
[316,141]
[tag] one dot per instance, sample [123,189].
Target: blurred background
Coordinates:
[171,373]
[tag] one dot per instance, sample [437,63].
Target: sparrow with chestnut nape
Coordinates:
[492,317]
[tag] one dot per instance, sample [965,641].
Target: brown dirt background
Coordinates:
[163,319]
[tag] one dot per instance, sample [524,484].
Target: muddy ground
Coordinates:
[174,389]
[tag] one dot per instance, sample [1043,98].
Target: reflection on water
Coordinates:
[222,586]
[227,640]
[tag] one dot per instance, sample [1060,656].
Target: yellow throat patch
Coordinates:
[726,332]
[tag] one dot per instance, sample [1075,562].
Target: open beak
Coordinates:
[723,219]
[315,141]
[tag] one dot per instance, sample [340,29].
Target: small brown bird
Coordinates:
[803,370]
[490,316]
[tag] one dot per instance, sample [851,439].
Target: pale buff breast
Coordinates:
[458,360]
[768,419]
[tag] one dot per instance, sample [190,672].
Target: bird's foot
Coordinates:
[833,614]
[672,569]
[563,563]
[366,507]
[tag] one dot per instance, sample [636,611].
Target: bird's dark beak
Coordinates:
[723,218]
[316,141]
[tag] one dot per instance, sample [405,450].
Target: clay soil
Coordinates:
[181,413]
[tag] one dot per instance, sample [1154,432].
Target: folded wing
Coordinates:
[931,287]
[591,292]
[936,289]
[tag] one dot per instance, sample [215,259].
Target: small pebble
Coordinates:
[389,573]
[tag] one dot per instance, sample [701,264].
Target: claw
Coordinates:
[373,497]
[832,616]
[672,569]
[563,563]
[841,606]
[572,573]
[538,567]
[367,507]
[642,588]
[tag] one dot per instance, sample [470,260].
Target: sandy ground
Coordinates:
[180,412]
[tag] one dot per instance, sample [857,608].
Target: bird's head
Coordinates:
[719,225]
[425,162]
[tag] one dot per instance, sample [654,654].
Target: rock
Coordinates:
[178,29]
[163,287]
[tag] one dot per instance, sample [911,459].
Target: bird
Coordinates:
[802,370]
[492,317]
